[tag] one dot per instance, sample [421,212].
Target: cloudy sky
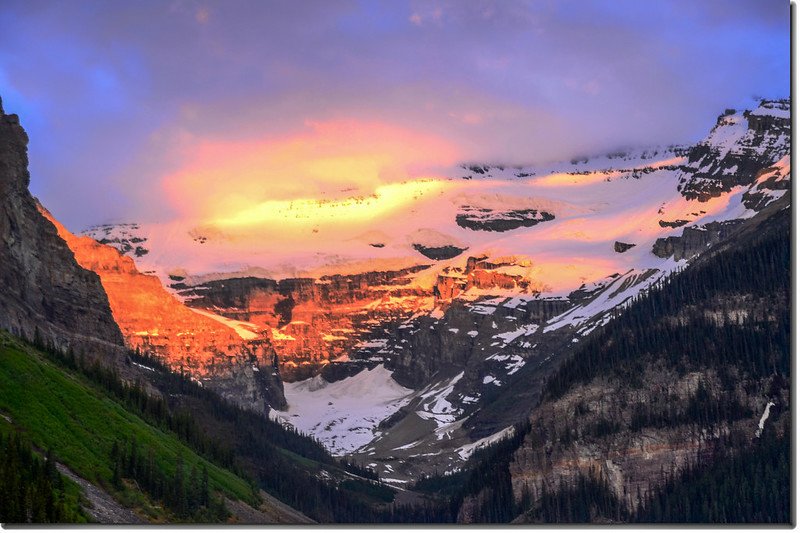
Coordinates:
[155,110]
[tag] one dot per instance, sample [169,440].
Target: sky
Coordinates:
[157,110]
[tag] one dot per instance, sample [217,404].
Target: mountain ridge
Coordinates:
[467,330]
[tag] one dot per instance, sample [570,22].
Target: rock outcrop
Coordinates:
[438,253]
[738,148]
[622,247]
[594,432]
[770,184]
[464,337]
[504,274]
[694,240]
[44,289]
[485,219]
[155,322]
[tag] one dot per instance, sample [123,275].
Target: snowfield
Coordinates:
[343,415]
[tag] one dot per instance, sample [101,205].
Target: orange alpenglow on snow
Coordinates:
[346,170]
[150,318]
[385,199]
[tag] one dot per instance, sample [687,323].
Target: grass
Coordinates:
[80,424]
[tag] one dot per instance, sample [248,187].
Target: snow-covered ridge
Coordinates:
[776,108]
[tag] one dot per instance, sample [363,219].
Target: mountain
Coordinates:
[546,256]
[495,344]
[677,411]
[45,291]
[96,431]
[695,372]
[228,358]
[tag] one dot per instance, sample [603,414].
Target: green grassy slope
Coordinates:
[73,418]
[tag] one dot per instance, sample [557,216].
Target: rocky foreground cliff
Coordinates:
[45,291]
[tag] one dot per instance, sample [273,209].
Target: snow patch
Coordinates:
[527,329]
[343,415]
[245,330]
[467,450]
[434,405]
[764,418]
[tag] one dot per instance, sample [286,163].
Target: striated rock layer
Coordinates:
[44,289]
[314,322]
[343,319]
[589,432]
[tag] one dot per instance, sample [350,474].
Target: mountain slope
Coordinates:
[100,427]
[499,350]
[238,366]
[696,367]
[122,424]
[549,254]
[82,425]
[31,487]
[692,377]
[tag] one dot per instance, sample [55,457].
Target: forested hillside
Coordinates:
[677,411]
[679,392]
[31,488]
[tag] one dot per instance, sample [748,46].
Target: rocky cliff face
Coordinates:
[501,274]
[313,322]
[465,339]
[43,287]
[694,240]
[155,322]
[485,219]
[594,431]
[337,319]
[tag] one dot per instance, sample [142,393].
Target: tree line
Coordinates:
[259,450]
[755,277]
[185,493]
[31,489]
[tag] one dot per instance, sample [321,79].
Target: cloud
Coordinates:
[114,93]
[202,15]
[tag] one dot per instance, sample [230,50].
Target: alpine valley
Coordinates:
[605,340]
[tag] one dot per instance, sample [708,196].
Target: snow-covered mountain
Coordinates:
[417,324]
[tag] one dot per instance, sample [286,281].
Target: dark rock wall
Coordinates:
[43,287]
